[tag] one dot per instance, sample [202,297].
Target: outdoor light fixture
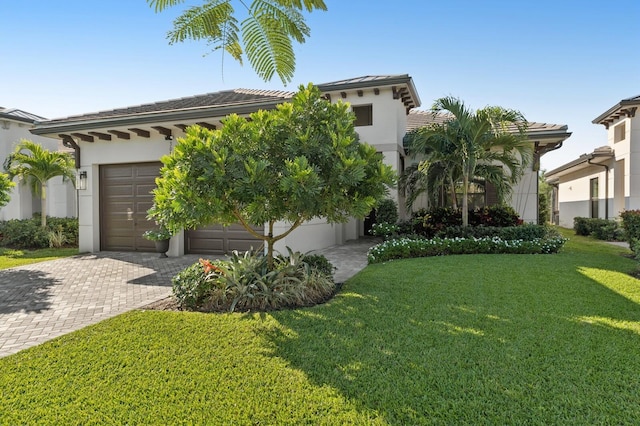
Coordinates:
[81,182]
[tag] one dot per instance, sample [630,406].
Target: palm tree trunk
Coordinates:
[465,201]
[454,198]
[43,206]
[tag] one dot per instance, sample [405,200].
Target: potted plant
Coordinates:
[161,237]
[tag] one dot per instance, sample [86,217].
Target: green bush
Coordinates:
[526,232]
[601,229]
[434,222]
[581,226]
[403,248]
[631,225]
[244,283]
[192,286]
[384,229]
[27,233]
[387,211]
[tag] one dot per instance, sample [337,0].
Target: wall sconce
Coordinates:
[81,181]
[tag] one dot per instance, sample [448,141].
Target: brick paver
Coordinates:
[45,300]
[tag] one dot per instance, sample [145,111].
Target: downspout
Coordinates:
[606,187]
[70,143]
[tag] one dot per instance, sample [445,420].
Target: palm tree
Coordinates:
[267,31]
[33,164]
[489,145]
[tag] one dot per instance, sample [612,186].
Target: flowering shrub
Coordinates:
[384,229]
[402,248]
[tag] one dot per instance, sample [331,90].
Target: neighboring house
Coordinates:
[15,125]
[524,196]
[119,152]
[605,182]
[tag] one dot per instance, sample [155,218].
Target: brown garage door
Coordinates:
[125,197]
[217,239]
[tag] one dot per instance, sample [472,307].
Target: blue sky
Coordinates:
[562,61]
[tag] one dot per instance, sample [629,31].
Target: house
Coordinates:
[118,151]
[605,182]
[15,125]
[524,196]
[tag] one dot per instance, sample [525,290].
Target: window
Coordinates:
[364,115]
[593,193]
[619,132]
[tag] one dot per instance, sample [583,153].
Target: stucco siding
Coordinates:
[570,210]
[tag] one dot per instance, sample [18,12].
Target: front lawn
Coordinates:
[13,257]
[477,339]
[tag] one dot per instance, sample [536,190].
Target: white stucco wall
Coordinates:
[60,195]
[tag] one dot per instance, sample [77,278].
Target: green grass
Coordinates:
[12,257]
[478,339]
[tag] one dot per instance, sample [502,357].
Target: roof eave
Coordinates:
[583,159]
[4,116]
[602,118]
[42,128]
[390,81]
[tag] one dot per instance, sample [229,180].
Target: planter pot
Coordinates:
[162,247]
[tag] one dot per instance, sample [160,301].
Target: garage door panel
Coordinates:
[124,200]
[218,239]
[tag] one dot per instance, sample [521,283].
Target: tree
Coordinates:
[5,188]
[35,165]
[489,145]
[266,34]
[300,161]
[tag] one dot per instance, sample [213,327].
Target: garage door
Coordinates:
[217,239]
[125,197]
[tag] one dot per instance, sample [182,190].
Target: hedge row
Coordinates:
[27,233]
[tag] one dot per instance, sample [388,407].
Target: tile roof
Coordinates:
[419,118]
[215,99]
[20,115]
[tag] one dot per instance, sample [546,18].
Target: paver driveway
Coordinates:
[44,300]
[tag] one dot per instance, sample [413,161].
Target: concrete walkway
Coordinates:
[45,300]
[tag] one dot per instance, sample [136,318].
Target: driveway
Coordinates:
[44,300]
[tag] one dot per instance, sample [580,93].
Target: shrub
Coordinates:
[57,239]
[631,225]
[526,232]
[387,211]
[192,286]
[384,229]
[431,223]
[244,282]
[25,233]
[601,229]
[581,226]
[408,248]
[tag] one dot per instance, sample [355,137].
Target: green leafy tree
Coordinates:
[489,145]
[35,165]
[300,161]
[266,35]
[5,189]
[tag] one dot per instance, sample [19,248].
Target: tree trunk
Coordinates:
[43,206]
[454,198]
[465,201]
